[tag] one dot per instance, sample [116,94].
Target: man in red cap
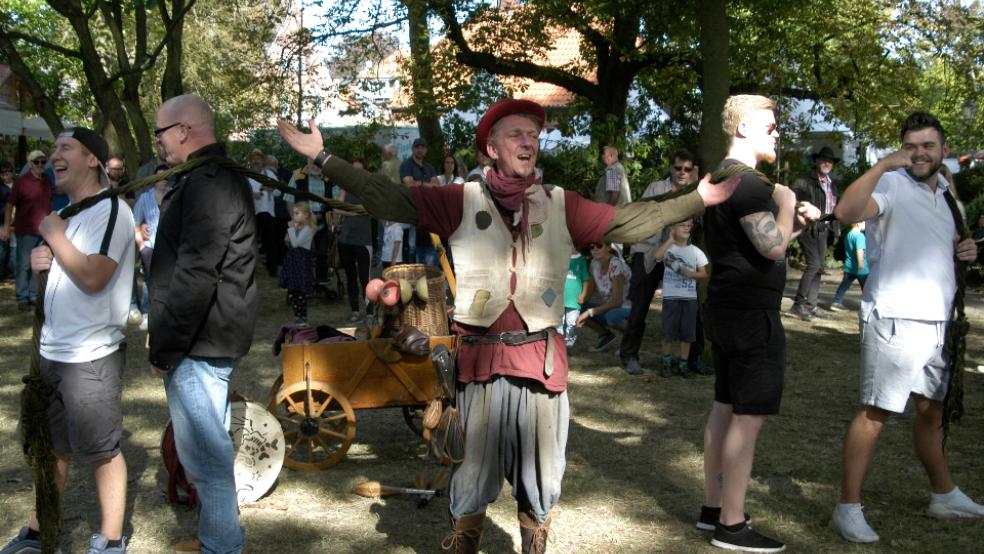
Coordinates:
[512,237]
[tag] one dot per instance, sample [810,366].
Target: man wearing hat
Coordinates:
[816,187]
[514,236]
[30,198]
[90,261]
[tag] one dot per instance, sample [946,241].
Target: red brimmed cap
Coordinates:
[500,109]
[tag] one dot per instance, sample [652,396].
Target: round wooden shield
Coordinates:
[258,440]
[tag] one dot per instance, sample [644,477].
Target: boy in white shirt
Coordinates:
[683,264]
[392,244]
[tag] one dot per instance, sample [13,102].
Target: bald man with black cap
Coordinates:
[90,259]
[512,237]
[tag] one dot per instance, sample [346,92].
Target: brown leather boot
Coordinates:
[533,533]
[466,536]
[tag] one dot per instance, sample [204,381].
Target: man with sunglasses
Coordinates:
[647,271]
[27,206]
[746,240]
[515,236]
[204,310]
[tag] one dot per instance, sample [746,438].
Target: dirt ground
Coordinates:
[634,477]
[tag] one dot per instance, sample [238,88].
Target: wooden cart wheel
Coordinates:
[319,425]
[414,416]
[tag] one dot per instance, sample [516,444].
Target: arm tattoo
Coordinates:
[762,231]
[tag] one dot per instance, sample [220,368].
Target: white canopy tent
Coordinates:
[13,123]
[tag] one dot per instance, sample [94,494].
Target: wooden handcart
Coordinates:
[324,383]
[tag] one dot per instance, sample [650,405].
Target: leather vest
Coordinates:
[486,257]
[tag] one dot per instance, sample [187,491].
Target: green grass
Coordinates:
[634,479]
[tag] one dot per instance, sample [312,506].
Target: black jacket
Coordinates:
[202,287]
[807,188]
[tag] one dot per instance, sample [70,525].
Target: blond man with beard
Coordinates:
[746,240]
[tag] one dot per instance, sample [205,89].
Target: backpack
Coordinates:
[179,489]
[840,248]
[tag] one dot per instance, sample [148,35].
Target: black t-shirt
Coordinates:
[740,276]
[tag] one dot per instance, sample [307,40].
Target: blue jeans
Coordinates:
[26,286]
[846,284]
[198,400]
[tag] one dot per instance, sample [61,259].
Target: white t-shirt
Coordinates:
[455,181]
[81,327]
[392,235]
[676,259]
[264,204]
[910,251]
[603,282]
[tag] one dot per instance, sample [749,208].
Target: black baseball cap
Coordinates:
[93,142]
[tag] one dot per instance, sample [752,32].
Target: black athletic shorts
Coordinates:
[749,349]
[85,411]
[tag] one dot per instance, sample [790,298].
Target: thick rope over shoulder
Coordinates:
[955,346]
[36,436]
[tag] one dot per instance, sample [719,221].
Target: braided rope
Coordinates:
[955,345]
[36,435]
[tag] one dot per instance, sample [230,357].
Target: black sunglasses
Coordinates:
[160,130]
[683,168]
[39,162]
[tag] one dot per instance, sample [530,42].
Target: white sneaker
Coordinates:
[848,520]
[953,504]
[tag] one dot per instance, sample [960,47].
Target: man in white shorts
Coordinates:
[905,307]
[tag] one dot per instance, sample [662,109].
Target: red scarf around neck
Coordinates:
[510,193]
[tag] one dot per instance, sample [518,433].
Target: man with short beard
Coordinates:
[818,188]
[514,235]
[905,306]
[746,240]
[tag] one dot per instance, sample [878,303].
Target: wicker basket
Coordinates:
[430,317]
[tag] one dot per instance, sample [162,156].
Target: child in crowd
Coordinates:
[577,290]
[297,275]
[855,264]
[392,252]
[611,277]
[683,264]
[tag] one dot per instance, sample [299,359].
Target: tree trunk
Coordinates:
[608,106]
[171,83]
[42,103]
[715,80]
[421,74]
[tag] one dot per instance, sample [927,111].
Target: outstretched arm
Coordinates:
[640,220]
[381,197]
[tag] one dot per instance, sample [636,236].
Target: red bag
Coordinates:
[179,489]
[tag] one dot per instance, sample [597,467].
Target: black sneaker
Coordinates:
[745,540]
[603,342]
[710,516]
